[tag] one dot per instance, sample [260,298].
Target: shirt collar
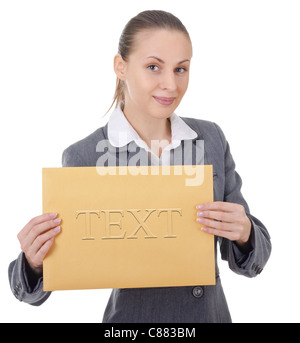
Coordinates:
[120,132]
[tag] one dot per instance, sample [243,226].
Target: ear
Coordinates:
[120,67]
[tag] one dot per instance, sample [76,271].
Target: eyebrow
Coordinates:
[161,61]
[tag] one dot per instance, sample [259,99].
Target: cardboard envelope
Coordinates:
[126,228]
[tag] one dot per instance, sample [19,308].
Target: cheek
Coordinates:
[148,83]
[141,86]
[182,86]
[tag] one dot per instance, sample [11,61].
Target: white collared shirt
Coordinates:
[121,133]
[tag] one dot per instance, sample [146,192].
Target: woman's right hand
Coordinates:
[36,238]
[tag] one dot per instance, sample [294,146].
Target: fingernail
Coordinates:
[56,229]
[204,229]
[57,221]
[201,214]
[200,220]
[198,207]
[53,215]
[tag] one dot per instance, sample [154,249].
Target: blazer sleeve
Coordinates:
[25,286]
[249,263]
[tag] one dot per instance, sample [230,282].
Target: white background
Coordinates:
[57,81]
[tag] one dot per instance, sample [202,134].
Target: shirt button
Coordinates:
[197,292]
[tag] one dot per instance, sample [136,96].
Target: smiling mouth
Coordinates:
[164,101]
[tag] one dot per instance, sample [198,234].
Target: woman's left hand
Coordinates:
[230,222]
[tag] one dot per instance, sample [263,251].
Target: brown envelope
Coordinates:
[127,230]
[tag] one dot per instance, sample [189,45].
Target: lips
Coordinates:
[165,101]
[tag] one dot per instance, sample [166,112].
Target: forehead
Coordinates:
[163,43]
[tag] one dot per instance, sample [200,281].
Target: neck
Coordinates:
[156,132]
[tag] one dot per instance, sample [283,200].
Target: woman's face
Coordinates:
[156,74]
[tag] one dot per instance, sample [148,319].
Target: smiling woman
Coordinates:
[152,68]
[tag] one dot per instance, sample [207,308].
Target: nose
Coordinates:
[168,81]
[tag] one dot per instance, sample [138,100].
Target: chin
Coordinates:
[161,113]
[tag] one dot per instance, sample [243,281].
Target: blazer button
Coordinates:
[198,292]
[259,270]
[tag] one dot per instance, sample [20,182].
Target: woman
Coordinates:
[152,68]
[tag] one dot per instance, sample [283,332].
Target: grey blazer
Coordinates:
[166,304]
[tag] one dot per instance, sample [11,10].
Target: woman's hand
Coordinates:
[230,222]
[36,238]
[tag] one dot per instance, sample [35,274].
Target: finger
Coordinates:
[221,233]
[44,250]
[39,229]
[214,224]
[224,217]
[41,240]
[34,221]
[218,206]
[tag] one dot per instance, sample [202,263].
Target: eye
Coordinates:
[153,67]
[181,70]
